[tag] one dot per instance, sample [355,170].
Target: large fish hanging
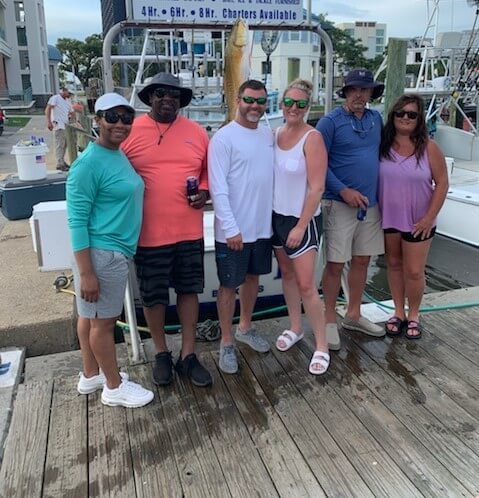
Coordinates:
[237,64]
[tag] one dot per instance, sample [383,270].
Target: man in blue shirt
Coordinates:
[352,224]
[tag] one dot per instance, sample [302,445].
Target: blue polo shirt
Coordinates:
[353,152]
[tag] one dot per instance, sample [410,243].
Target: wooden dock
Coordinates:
[394,418]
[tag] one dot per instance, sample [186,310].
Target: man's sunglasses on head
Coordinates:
[300,104]
[113,117]
[251,100]
[162,92]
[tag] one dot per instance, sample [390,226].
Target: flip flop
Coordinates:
[290,338]
[413,325]
[396,322]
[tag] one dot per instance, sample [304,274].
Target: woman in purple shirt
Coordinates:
[413,184]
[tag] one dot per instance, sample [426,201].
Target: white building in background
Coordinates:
[370,34]
[296,56]
[24,66]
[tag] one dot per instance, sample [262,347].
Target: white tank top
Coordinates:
[290,178]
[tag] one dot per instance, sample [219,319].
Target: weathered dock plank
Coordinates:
[286,466]
[414,356]
[407,405]
[241,463]
[448,413]
[110,465]
[66,465]
[330,465]
[379,471]
[22,469]
[198,466]
[430,477]
[154,464]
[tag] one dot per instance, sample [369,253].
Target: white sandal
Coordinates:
[319,358]
[290,338]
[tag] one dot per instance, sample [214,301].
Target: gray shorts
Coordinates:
[346,236]
[111,268]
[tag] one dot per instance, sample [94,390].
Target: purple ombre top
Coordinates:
[405,190]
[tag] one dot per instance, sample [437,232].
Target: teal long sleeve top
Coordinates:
[104,201]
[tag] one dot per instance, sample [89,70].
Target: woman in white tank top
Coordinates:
[300,173]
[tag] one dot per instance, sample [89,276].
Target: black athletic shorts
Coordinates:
[409,237]
[179,266]
[282,225]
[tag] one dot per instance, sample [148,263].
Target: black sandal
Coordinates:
[396,322]
[413,325]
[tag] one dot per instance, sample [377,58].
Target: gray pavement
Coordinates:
[32,314]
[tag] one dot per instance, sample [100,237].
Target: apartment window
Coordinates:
[380,32]
[24,61]
[305,36]
[26,83]
[350,32]
[379,41]
[19,12]
[294,35]
[22,37]
[285,37]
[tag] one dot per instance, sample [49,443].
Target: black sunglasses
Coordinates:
[251,100]
[162,92]
[300,103]
[402,113]
[113,117]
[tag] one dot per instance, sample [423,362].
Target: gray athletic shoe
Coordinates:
[252,339]
[228,360]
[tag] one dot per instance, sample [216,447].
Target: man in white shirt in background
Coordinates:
[240,175]
[58,112]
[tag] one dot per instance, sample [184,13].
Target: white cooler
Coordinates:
[51,239]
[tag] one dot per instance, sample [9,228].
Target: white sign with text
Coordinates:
[205,11]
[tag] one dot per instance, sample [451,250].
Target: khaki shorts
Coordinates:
[346,236]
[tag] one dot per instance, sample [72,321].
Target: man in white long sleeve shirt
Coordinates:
[240,172]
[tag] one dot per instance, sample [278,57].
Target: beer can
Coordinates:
[361,214]
[191,186]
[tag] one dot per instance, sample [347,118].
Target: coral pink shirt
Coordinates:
[167,216]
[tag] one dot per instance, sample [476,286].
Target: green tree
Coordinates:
[80,57]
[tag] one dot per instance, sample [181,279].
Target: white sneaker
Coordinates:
[127,394]
[88,385]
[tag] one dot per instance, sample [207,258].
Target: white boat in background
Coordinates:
[459,216]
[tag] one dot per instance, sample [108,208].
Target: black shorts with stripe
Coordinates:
[179,266]
[282,225]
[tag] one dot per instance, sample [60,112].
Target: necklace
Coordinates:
[163,133]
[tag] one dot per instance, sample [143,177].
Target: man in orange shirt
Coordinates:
[166,149]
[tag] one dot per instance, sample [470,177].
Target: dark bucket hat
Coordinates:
[168,80]
[362,78]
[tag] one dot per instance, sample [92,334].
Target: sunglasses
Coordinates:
[251,100]
[113,117]
[300,104]
[402,113]
[362,128]
[161,92]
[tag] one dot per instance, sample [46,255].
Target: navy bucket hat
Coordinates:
[165,80]
[362,78]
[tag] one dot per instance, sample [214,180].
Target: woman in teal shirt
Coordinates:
[104,205]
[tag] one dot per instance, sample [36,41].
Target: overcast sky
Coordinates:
[404,18]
